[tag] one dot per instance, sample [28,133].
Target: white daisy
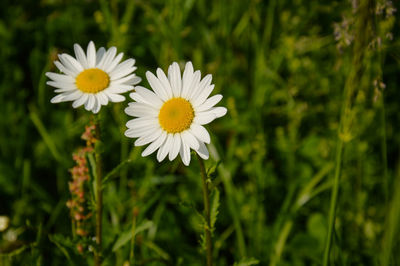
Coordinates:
[172,117]
[92,79]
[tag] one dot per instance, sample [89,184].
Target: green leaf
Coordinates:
[127,235]
[212,170]
[247,262]
[317,227]
[63,245]
[162,253]
[214,208]
[114,171]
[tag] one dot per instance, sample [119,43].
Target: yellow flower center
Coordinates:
[92,80]
[176,115]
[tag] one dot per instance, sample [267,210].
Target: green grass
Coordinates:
[297,98]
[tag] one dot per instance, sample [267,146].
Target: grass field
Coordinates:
[304,168]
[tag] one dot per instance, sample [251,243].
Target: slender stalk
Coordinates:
[334,196]
[206,199]
[362,38]
[384,150]
[99,198]
[281,242]
[132,251]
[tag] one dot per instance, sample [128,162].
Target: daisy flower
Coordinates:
[171,117]
[92,79]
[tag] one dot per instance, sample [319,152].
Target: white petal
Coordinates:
[185,153]
[203,151]
[97,105]
[125,64]
[114,63]
[80,101]
[124,80]
[190,140]
[62,85]
[64,90]
[103,99]
[123,69]
[124,87]
[165,148]
[139,132]
[174,76]
[65,70]
[73,96]
[219,111]
[112,52]
[90,102]
[149,96]
[200,133]
[156,86]
[60,77]
[187,79]
[123,73]
[91,55]
[203,95]
[155,145]
[205,82]
[107,58]
[194,84]
[115,98]
[141,109]
[133,81]
[73,62]
[203,118]
[176,146]
[68,65]
[141,122]
[209,103]
[99,55]
[57,99]
[164,82]
[148,138]
[80,55]
[136,97]
[115,90]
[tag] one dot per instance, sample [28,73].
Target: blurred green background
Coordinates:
[286,70]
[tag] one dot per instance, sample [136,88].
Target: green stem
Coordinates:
[384,150]
[132,251]
[206,200]
[99,198]
[362,38]
[334,196]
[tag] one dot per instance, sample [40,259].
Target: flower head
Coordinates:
[92,79]
[171,117]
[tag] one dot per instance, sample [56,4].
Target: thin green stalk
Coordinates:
[281,242]
[362,37]
[384,150]
[99,197]
[334,196]
[132,251]
[48,140]
[206,200]
[391,231]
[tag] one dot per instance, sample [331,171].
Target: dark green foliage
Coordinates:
[282,67]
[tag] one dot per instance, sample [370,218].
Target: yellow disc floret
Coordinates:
[176,115]
[92,80]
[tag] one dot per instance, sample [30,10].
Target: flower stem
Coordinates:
[362,39]
[133,230]
[334,196]
[206,199]
[99,198]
